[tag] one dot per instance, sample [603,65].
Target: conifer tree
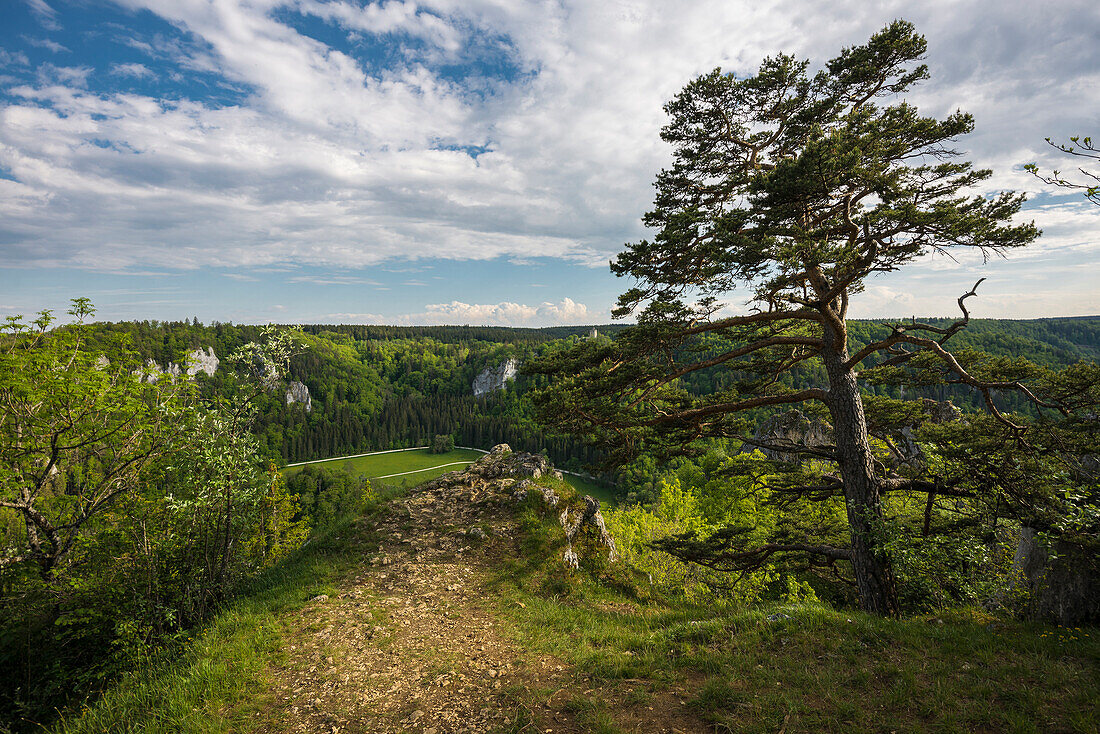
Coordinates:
[796,187]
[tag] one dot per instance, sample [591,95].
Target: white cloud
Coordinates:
[330,161]
[46,15]
[138,71]
[46,43]
[13,58]
[566,311]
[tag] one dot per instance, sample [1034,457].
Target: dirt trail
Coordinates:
[410,644]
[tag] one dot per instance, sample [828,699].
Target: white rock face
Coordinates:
[154,371]
[297,392]
[492,379]
[199,361]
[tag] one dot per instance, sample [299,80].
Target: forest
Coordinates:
[372,388]
[785,457]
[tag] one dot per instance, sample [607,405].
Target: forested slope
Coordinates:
[381,387]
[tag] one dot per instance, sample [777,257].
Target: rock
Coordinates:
[199,361]
[297,392]
[320,598]
[503,472]
[153,371]
[492,379]
[1065,589]
[789,429]
[549,496]
[590,516]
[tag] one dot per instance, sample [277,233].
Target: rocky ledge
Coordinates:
[510,475]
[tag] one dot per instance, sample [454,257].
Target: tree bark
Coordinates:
[862,496]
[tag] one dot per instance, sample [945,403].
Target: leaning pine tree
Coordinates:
[797,187]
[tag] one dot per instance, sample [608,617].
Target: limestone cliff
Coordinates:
[199,361]
[492,379]
[297,392]
[196,361]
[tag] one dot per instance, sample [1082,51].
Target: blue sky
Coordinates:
[458,161]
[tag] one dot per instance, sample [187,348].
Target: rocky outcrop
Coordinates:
[1063,588]
[496,378]
[197,360]
[505,474]
[297,392]
[589,516]
[202,361]
[779,435]
[154,372]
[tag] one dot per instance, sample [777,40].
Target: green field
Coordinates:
[606,495]
[425,466]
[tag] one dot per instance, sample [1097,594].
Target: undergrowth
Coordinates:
[214,681]
[796,667]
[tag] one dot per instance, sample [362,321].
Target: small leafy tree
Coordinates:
[798,187]
[441,444]
[129,504]
[76,432]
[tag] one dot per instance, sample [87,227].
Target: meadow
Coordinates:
[413,467]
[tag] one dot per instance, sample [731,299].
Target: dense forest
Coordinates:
[382,387]
[371,388]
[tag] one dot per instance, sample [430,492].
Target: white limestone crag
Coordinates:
[297,392]
[154,372]
[492,379]
[202,361]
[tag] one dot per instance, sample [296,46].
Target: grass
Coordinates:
[812,669]
[806,669]
[215,682]
[429,466]
[605,495]
[421,461]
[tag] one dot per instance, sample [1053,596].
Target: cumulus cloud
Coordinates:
[566,311]
[331,158]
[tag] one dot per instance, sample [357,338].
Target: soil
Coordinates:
[409,643]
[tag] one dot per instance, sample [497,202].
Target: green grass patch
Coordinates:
[606,495]
[799,668]
[421,461]
[217,680]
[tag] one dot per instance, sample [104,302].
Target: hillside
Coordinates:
[448,609]
[380,387]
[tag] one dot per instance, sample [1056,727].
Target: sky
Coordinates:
[463,161]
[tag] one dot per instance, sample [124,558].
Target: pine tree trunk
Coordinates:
[870,564]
